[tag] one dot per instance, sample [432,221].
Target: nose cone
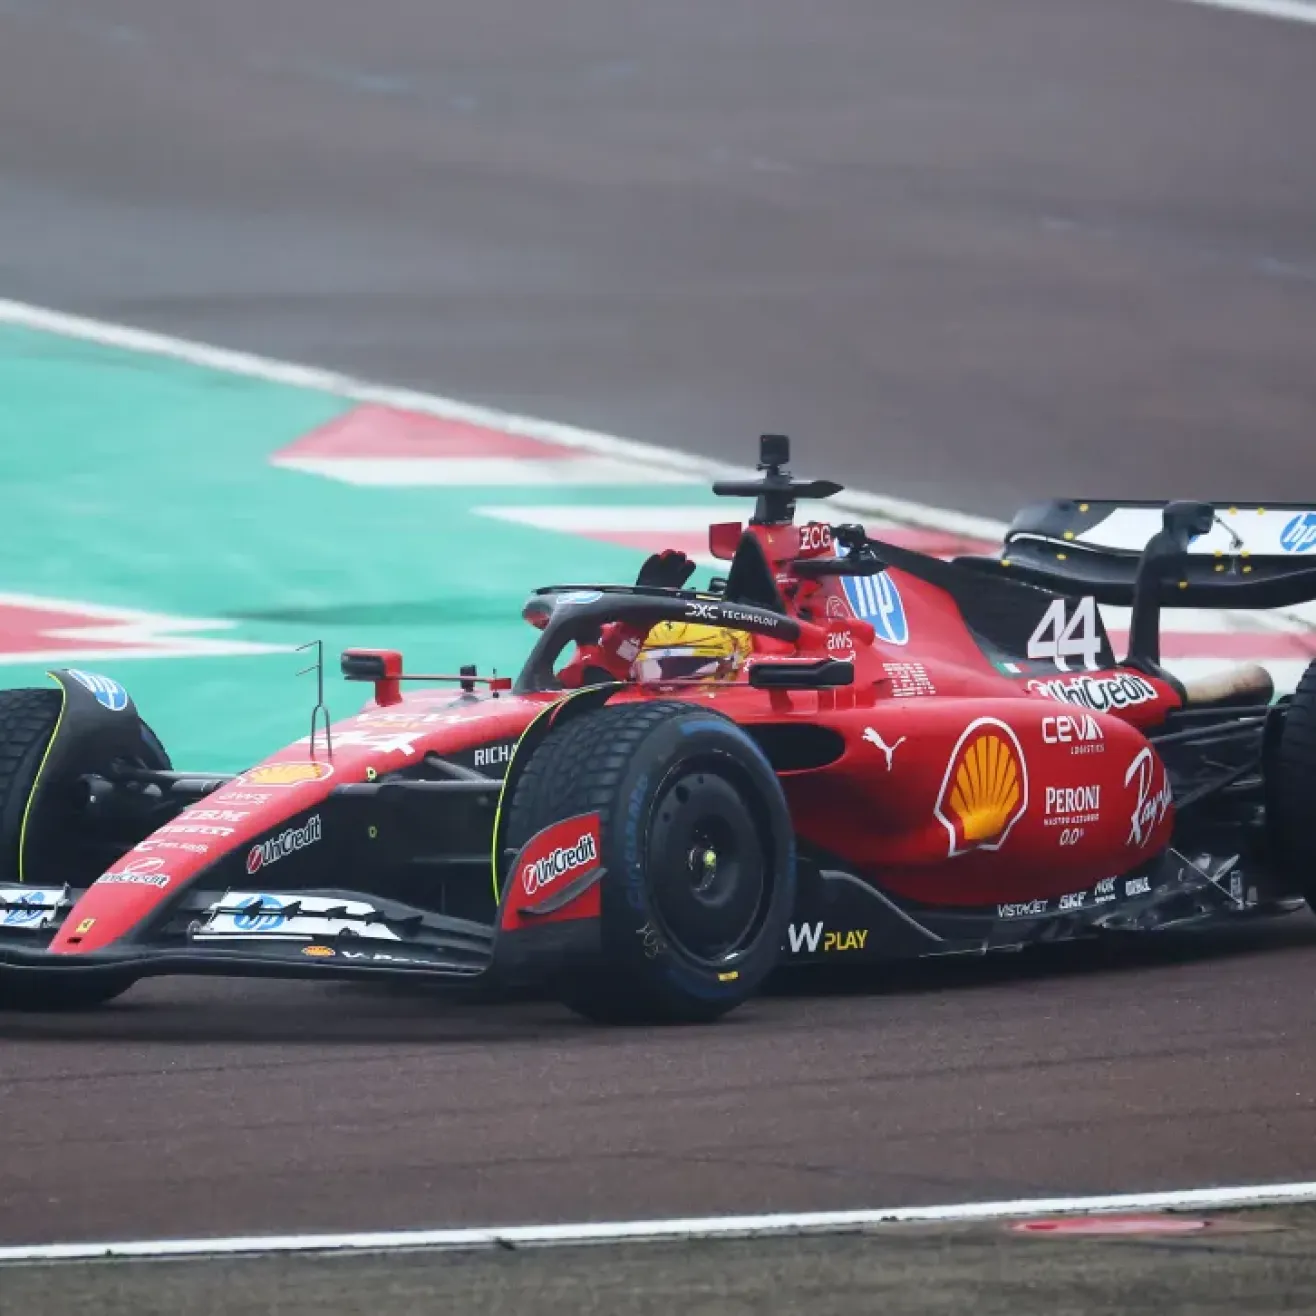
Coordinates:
[116,902]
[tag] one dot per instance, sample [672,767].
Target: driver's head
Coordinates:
[677,650]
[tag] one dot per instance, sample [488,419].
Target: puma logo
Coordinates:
[889,750]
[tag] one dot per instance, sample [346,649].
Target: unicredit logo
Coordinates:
[565,859]
[139,872]
[279,847]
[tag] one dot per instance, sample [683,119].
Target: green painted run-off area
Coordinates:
[138,482]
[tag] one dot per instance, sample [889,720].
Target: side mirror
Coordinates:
[724,539]
[370,664]
[382,666]
[822,674]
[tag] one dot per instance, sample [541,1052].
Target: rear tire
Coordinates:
[1293,788]
[698,851]
[28,719]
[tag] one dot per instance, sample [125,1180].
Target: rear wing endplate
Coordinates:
[1225,555]
[1150,555]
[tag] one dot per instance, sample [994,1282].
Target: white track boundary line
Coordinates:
[860,502]
[1296,11]
[23,316]
[658,1231]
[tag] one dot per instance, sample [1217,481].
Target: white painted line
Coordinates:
[23,316]
[1301,616]
[655,1231]
[855,501]
[449,472]
[619,518]
[674,518]
[1191,621]
[111,634]
[681,525]
[1296,11]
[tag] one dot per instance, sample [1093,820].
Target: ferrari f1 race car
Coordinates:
[841,747]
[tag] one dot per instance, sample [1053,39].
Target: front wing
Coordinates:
[415,903]
[323,934]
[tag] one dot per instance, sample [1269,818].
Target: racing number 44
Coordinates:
[1062,635]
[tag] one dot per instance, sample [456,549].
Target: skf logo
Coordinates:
[985,789]
[286,774]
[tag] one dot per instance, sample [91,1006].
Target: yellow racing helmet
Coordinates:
[678,650]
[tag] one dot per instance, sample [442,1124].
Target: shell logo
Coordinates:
[985,789]
[286,774]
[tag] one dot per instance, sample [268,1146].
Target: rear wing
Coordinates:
[1150,555]
[1226,555]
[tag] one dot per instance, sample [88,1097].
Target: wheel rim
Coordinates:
[707,867]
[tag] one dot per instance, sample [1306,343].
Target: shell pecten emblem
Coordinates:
[985,789]
[286,773]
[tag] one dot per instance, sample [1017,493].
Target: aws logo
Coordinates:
[985,789]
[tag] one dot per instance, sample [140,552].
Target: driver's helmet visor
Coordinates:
[676,650]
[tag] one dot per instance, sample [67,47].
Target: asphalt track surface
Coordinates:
[1247,1262]
[194,1110]
[969,252]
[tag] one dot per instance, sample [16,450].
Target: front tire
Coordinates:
[28,719]
[27,722]
[698,852]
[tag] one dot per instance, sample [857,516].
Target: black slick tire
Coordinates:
[28,719]
[27,722]
[1292,790]
[698,852]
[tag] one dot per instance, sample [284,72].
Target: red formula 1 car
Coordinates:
[843,747]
